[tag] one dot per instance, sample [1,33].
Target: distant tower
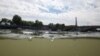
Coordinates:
[76,26]
[76,22]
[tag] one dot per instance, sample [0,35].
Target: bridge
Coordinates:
[88,28]
[83,28]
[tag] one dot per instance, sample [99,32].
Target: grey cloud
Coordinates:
[88,11]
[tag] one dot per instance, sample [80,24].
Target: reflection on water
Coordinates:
[29,34]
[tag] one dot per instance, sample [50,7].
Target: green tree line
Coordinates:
[17,20]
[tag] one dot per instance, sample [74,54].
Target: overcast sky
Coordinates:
[53,11]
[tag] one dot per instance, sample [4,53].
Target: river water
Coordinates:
[29,34]
[43,47]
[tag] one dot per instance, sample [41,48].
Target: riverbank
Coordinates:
[44,47]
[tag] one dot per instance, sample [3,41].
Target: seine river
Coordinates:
[29,34]
[49,44]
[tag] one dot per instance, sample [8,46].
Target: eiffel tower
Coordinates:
[75,22]
[76,26]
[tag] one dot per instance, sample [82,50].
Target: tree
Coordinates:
[5,21]
[57,26]
[30,23]
[17,20]
[62,27]
[27,23]
[52,27]
[38,24]
[9,21]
